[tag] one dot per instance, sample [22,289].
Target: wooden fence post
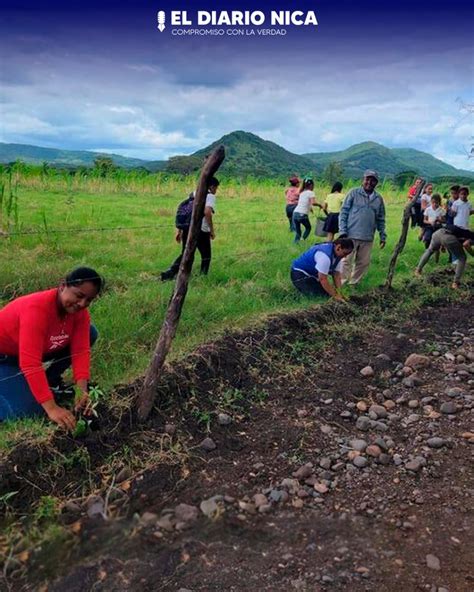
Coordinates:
[147,395]
[403,236]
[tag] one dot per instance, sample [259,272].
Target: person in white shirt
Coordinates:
[461,209]
[205,236]
[433,216]
[301,213]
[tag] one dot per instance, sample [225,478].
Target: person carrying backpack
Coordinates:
[206,233]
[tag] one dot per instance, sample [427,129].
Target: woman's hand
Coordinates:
[64,418]
[83,404]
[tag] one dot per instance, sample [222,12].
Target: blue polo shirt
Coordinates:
[318,259]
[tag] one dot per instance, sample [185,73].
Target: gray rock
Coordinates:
[292,485]
[384,459]
[148,519]
[436,442]
[186,513]
[413,465]
[95,507]
[223,419]
[363,423]
[208,445]
[433,562]
[358,444]
[166,522]
[379,411]
[417,361]
[449,407]
[367,371]
[454,391]
[384,357]
[360,462]
[304,471]
[260,500]
[325,463]
[277,495]
[209,507]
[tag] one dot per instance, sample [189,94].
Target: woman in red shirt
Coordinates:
[50,326]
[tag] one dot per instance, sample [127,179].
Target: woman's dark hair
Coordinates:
[85,274]
[337,187]
[306,182]
[213,182]
[454,188]
[345,243]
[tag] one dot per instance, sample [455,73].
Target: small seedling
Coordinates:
[85,423]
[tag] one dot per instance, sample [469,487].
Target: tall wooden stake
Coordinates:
[403,236]
[147,395]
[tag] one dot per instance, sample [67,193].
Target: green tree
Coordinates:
[104,165]
[333,172]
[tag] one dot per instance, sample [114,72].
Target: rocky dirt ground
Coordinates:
[347,466]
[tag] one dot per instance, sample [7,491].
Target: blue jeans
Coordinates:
[289,214]
[298,221]
[16,398]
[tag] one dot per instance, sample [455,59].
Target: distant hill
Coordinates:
[387,161]
[68,158]
[247,154]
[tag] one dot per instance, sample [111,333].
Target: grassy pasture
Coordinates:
[249,274]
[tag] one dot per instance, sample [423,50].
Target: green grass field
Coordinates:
[249,275]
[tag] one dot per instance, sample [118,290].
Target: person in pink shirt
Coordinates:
[50,326]
[292,194]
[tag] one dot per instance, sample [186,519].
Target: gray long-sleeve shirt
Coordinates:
[362,214]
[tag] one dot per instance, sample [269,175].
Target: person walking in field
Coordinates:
[457,241]
[311,271]
[206,234]
[49,326]
[306,201]
[362,213]
[332,206]
[292,194]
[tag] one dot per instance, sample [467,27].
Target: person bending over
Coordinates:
[311,271]
[49,326]
[455,240]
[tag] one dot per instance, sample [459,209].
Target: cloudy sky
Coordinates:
[100,76]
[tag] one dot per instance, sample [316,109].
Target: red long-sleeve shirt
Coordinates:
[31,327]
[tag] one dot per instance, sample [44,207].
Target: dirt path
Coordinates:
[326,480]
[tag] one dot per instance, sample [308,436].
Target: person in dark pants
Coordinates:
[206,234]
[306,201]
[455,240]
[311,270]
[292,194]
[49,326]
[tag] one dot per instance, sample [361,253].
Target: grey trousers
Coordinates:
[442,238]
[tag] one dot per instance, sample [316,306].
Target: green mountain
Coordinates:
[247,154]
[250,155]
[68,158]
[387,161]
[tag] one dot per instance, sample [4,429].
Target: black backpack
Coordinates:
[184,213]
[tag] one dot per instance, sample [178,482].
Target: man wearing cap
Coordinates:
[362,213]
